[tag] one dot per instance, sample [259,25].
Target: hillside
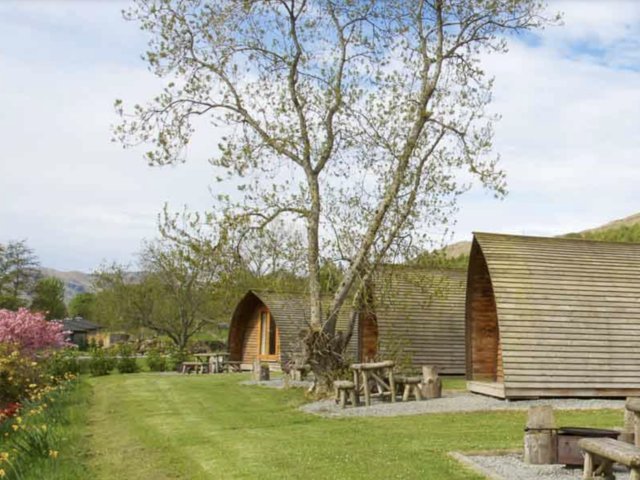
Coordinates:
[625,229]
[74,282]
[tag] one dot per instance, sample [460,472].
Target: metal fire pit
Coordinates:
[568,451]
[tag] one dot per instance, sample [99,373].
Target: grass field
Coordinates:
[149,426]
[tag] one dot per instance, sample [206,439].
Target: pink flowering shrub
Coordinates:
[30,332]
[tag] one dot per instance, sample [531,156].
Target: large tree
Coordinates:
[362,120]
[183,282]
[19,272]
[48,297]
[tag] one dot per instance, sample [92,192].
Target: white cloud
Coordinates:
[569,130]
[568,136]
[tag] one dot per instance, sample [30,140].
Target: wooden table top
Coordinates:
[372,366]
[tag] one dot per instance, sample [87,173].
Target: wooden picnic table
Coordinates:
[188,367]
[381,374]
[217,361]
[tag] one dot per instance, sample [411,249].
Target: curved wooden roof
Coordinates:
[424,309]
[291,313]
[568,313]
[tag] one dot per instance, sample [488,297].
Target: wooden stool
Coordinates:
[344,387]
[411,385]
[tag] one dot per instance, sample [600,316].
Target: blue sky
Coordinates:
[569,99]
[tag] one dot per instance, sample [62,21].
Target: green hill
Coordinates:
[622,230]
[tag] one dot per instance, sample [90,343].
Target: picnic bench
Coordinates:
[193,367]
[606,451]
[377,375]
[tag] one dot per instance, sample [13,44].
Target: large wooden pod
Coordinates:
[267,325]
[553,317]
[418,311]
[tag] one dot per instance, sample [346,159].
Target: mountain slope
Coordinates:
[74,282]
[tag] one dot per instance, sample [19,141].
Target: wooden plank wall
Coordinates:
[482,322]
[290,311]
[425,310]
[368,337]
[569,314]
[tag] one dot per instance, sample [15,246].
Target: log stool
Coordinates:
[344,388]
[411,385]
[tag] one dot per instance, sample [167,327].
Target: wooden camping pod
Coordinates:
[266,326]
[420,311]
[552,317]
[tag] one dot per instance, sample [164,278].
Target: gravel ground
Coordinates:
[511,467]
[452,402]
[277,383]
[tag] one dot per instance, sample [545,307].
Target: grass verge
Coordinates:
[154,426]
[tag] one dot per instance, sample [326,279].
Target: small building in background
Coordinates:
[553,317]
[267,326]
[80,330]
[410,313]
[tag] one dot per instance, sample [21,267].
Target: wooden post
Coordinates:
[365,385]
[628,429]
[633,405]
[540,438]
[392,385]
[587,473]
[260,371]
[431,383]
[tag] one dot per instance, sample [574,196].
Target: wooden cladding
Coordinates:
[421,312]
[267,325]
[482,321]
[566,314]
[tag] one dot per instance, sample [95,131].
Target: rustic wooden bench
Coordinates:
[409,385]
[608,451]
[197,367]
[233,366]
[344,388]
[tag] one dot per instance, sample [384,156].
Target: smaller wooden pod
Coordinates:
[552,317]
[267,325]
[419,312]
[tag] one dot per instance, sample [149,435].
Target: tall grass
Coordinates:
[45,441]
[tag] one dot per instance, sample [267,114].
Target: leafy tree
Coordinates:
[19,272]
[366,119]
[48,296]
[83,305]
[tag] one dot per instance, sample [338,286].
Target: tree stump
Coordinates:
[540,438]
[431,383]
[627,434]
[260,371]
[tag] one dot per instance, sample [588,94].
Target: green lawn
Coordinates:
[150,426]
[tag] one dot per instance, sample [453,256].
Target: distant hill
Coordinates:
[74,282]
[622,230]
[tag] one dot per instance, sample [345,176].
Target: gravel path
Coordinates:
[511,467]
[277,383]
[452,402]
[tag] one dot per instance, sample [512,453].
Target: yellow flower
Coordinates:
[32,385]
[4,456]
[44,428]
[53,454]
[15,427]
[2,473]
[19,419]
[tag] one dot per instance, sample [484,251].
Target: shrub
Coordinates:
[30,331]
[175,359]
[156,361]
[63,361]
[18,373]
[126,361]
[101,363]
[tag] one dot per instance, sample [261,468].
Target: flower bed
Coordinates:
[36,377]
